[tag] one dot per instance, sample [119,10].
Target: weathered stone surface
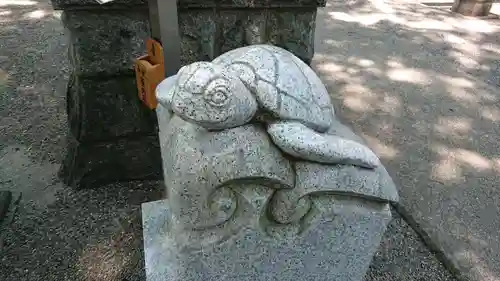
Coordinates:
[347,179]
[165,91]
[283,85]
[68,4]
[106,39]
[198,31]
[99,110]
[472,8]
[164,115]
[106,42]
[206,34]
[252,3]
[386,183]
[209,95]
[302,142]
[292,205]
[337,245]
[293,31]
[313,180]
[197,163]
[237,210]
[164,94]
[89,165]
[58,4]
[5,198]
[224,94]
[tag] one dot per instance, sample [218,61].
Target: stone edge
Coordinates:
[153,213]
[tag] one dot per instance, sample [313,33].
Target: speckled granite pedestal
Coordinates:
[339,247]
[242,205]
[229,193]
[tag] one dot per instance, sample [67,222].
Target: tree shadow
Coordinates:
[421,86]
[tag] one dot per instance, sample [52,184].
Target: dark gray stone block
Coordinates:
[206,34]
[106,39]
[90,165]
[106,42]
[99,110]
[293,31]
[5,198]
[68,4]
[259,3]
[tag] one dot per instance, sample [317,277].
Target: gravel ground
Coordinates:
[402,256]
[83,235]
[56,233]
[33,71]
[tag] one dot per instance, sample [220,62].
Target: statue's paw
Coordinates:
[302,142]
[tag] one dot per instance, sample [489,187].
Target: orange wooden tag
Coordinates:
[149,72]
[155,51]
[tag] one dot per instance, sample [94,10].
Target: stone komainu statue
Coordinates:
[257,167]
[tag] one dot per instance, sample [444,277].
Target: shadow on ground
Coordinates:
[421,86]
[53,232]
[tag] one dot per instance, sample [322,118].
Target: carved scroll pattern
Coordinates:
[248,204]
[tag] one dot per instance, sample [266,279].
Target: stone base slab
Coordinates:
[339,246]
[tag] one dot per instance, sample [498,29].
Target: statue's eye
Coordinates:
[218,96]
